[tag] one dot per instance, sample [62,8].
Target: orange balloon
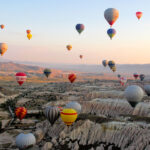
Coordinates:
[3,48]
[28,31]
[81,56]
[21,112]
[69,47]
[2,26]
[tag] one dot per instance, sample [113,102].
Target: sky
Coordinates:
[52,24]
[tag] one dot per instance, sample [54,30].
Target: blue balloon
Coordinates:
[111,32]
[79,28]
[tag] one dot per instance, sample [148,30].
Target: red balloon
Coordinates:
[72,77]
[81,56]
[135,75]
[21,78]
[139,14]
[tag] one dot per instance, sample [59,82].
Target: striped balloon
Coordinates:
[68,116]
[60,108]
[111,15]
[52,114]
[21,112]
[21,78]
[72,77]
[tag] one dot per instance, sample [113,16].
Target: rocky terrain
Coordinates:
[107,121]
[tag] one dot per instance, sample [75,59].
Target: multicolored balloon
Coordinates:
[21,78]
[68,116]
[80,28]
[105,63]
[113,68]
[111,15]
[139,15]
[20,112]
[29,36]
[111,33]
[72,77]
[111,64]
[123,81]
[142,76]
[2,26]
[3,48]
[47,72]
[135,75]
[69,47]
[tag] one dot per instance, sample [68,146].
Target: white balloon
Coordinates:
[74,105]
[134,93]
[147,89]
[25,140]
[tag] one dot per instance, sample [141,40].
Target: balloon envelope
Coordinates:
[135,75]
[29,36]
[123,81]
[139,14]
[2,26]
[111,15]
[74,105]
[24,141]
[81,56]
[28,31]
[80,28]
[52,114]
[21,78]
[105,63]
[68,116]
[111,33]
[69,47]
[111,64]
[21,112]
[72,77]
[47,72]
[142,76]
[3,48]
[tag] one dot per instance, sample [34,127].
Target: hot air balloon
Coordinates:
[142,76]
[147,89]
[105,63]
[123,81]
[21,78]
[81,56]
[60,108]
[111,15]
[135,75]
[113,68]
[134,94]
[111,64]
[3,48]
[24,141]
[2,26]
[52,114]
[29,36]
[139,15]
[28,31]
[119,76]
[72,77]
[79,28]
[47,72]
[68,116]
[21,112]
[74,105]
[111,33]
[69,47]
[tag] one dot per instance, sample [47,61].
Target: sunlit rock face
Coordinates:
[87,134]
[107,107]
[142,109]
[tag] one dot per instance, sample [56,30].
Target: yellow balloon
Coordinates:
[113,68]
[68,116]
[3,48]
[29,36]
